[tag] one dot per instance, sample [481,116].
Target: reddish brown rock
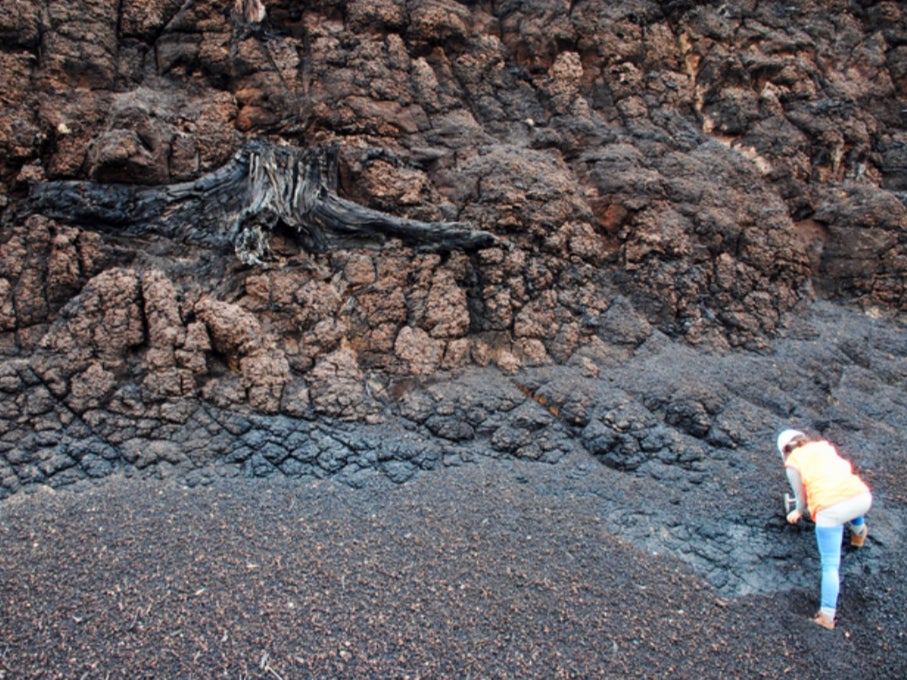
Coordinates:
[79,44]
[100,327]
[7,310]
[249,350]
[234,332]
[447,312]
[338,387]
[90,388]
[704,169]
[419,352]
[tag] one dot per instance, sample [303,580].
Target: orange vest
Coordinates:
[827,478]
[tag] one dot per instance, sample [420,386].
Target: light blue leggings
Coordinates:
[829,533]
[829,540]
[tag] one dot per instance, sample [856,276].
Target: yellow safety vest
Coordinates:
[827,478]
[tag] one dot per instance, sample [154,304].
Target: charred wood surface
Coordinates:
[241,204]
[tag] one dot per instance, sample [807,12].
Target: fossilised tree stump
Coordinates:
[243,202]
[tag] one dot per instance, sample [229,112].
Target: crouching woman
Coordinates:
[826,486]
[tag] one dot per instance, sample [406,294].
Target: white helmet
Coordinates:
[786,438]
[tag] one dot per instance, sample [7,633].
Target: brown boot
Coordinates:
[824,621]
[857,540]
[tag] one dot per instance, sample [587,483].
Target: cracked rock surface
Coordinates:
[547,449]
[691,430]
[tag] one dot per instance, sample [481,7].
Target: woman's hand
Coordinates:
[794,516]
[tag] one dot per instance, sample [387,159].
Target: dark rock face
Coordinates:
[668,187]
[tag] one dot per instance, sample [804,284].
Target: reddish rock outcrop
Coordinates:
[683,169]
[351,238]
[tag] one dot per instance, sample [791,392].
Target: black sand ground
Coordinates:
[497,569]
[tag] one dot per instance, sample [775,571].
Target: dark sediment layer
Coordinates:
[503,568]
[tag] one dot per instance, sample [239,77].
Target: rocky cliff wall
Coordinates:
[658,197]
[679,173]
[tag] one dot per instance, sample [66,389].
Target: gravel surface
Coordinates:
[498,569]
